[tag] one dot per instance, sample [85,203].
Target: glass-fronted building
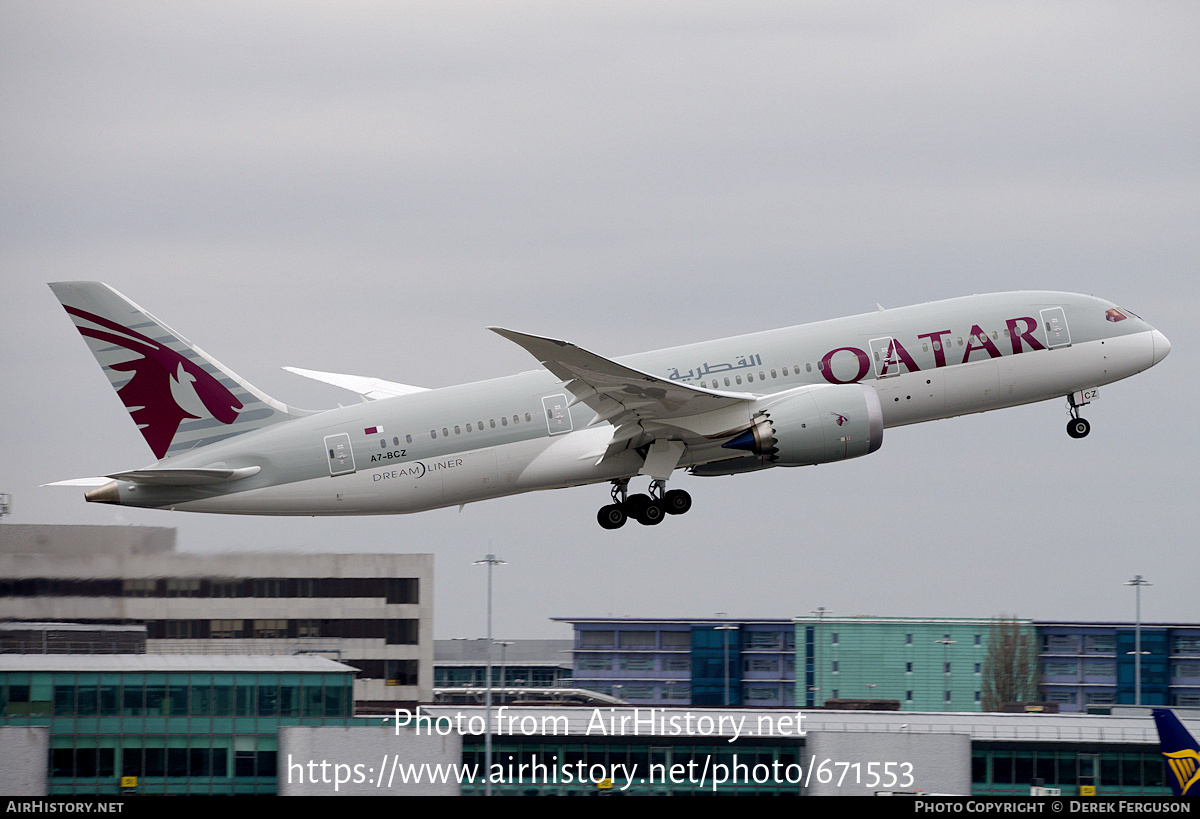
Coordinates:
[925,664]
[1095,665]
[687,662]
[169,724]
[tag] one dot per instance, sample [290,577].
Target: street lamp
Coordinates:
[1137,582]
[504,644]
[945,642]
[820,611]
[489,561]
[726,628]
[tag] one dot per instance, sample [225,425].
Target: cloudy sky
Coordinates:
[364,187]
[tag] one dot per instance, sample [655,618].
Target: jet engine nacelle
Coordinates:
[813,425]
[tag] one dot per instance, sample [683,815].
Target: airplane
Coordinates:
[812,394]
[1180,752]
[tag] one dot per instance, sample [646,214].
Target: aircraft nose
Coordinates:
[1161,346]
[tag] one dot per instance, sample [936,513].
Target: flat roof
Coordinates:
[262,663]
[748,724]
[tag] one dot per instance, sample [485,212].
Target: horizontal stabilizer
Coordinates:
[80,482]
[185,477]
[371,388]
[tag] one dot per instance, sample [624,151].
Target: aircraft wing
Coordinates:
[370,388]
[634,402]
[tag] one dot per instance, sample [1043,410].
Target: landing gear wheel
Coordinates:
[1078,428]
[611,516]
[634,505]
[651,514]
[677,502]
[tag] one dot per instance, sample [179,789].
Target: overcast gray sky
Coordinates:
[364,187]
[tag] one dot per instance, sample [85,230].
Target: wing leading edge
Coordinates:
[640,406]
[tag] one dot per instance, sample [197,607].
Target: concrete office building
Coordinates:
[371,611]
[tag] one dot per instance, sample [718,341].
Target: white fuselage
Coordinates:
[471,442]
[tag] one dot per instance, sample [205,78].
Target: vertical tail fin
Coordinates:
[1180,752]
[178,396]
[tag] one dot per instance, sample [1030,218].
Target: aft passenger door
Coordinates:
[339,453]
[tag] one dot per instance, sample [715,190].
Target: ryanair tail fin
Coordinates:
[1180,751]
[178,396]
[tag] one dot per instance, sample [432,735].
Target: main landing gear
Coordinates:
[1077,427]
[648,510]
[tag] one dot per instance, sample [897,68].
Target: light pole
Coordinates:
[1137,582]
[504,644]
[489,561]
[820,611]
[945,642]
[726,628]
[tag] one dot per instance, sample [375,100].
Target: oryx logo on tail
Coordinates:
[163,383]
[179,397]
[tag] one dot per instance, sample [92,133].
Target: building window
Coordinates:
[639,639]
[183,587]
[225,629]
[270,629]
[139,587]
[1059,669]
[1186,645]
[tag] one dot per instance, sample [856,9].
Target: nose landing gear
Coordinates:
[1077,427]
